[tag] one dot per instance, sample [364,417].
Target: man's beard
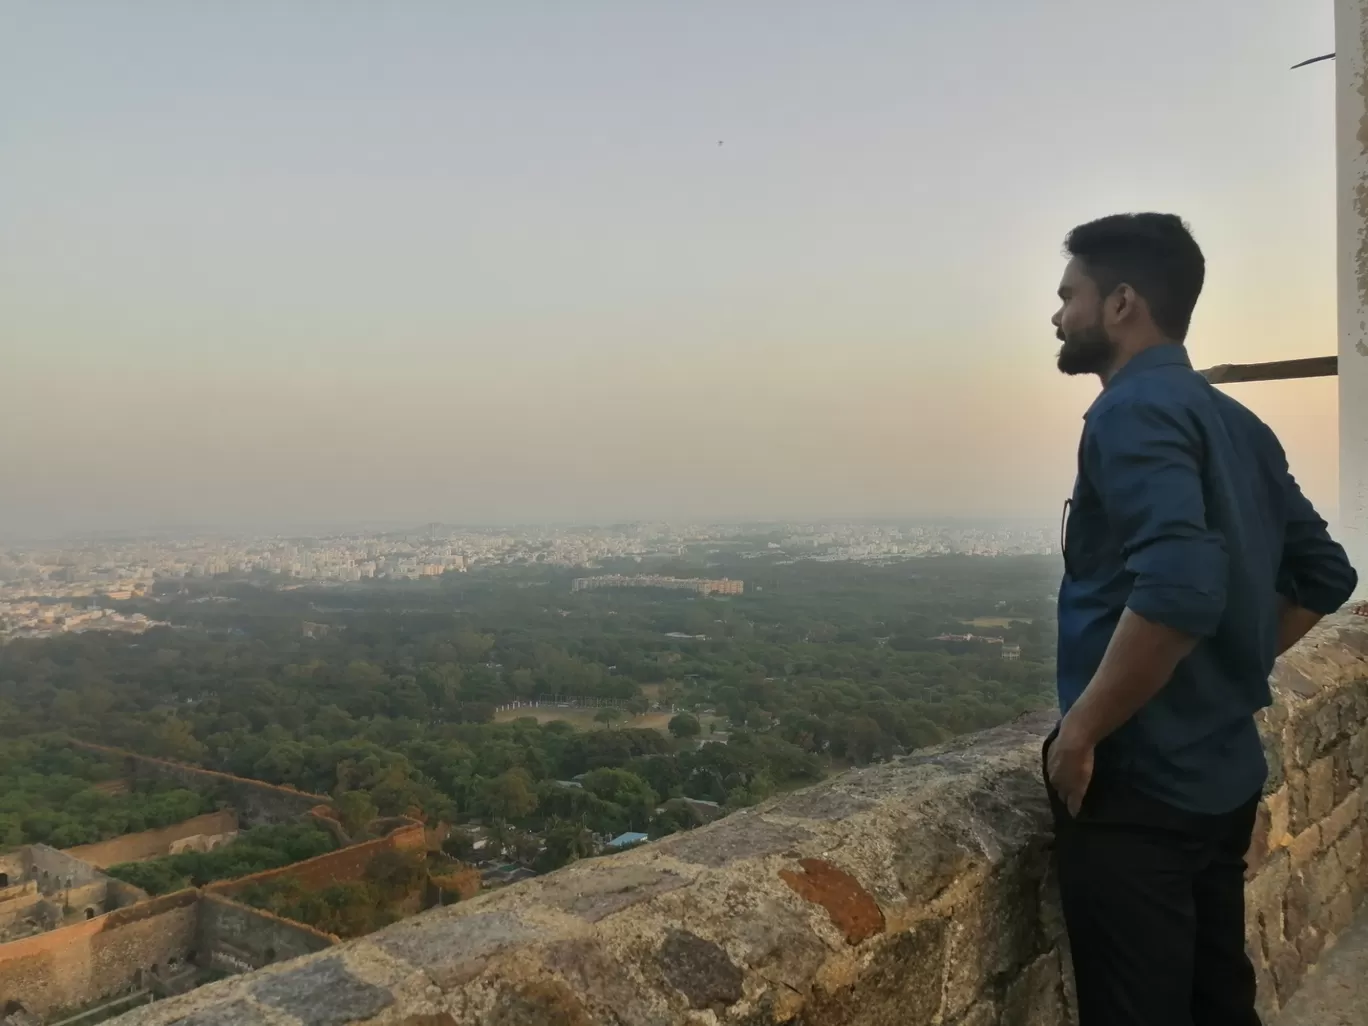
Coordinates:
[1089,351]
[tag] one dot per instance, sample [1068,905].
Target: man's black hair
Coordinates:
[1155,254]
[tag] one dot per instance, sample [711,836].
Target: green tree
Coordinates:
[565,843]
[510,796]
[608,715]
[459,845]
[685,725]
[356,809]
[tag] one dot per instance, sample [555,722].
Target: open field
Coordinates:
[995,621]
[583,719]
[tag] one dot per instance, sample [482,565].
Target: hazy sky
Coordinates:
[287,261]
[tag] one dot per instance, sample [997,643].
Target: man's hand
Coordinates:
[1137,664]
[1071,768]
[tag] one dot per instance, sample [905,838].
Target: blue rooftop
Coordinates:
[624,840]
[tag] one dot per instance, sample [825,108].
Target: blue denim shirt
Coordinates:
[1184,511]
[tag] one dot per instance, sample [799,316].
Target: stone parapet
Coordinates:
[1308,870]
[913,893]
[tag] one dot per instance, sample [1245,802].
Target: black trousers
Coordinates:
[1153,902]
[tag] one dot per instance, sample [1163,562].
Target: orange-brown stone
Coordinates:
[851,907]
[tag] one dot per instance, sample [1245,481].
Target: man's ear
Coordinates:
[1122,305]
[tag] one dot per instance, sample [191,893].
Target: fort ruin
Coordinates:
[77,945]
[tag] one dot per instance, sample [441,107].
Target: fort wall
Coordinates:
[55,869]
[99,958]
[236,938]
[256,802]
[347,865]
[918,892]
[208,830]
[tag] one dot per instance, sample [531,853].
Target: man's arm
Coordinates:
[1145,461]
[1137,664]
[1314,576]
[1294,622]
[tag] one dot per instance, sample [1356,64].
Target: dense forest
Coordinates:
[50,793]
[385,694]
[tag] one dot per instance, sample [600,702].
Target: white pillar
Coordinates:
[1351,122]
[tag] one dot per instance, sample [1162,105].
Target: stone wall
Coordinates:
[236,938]
[216,827]
[18,903]
[91,960]
[55,886]
[13,866]
[347,865]
[256,802]
[1308,870]
[55,869]
[913,893]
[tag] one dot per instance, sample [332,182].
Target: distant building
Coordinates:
[627,840]
[1011,652]
[700,586]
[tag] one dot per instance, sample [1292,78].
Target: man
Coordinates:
[1192,560]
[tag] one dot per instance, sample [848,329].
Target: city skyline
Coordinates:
[531,264]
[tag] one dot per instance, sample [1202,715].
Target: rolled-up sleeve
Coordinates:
[1145,458]
[1314,572]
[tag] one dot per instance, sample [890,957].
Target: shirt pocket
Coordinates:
[1087,548]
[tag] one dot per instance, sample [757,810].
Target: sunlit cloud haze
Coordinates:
[294,262]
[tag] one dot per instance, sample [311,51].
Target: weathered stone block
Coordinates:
[1288,677]
[992,932]
[1344,781]
[1288,970]
[1301,740]
[1297,818]
[828,801]
[1296,917]
[1052,928]
[1324,879]
[901,987]
[1310,945]
[1036,997]
[1266,991]
[606,984]
[733,839]
[1276,803]
[1305,846]
[321,993]
[1320,784]
[1363,860]
[1356,756]
[984,1013]
[1258,843]
[852,909]
[1274,756]
[1341,818]
[1349,851]
[1326,720]
[544,1002]
[597,895]
[700,970]
[230,1013]
[1264,896]
[453,948]
[1340,913]
[927,860]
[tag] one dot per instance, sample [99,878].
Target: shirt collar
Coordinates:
[1164,355]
